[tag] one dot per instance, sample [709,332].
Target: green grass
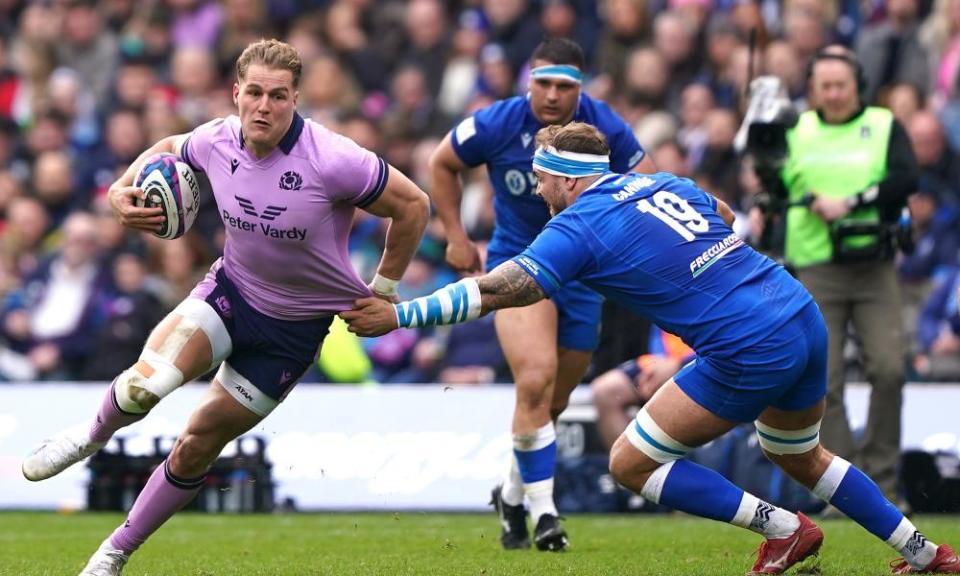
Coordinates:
[417,543]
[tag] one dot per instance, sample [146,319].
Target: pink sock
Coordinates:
[160,499]
[111,418]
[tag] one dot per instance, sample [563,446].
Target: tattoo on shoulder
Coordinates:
[509,286]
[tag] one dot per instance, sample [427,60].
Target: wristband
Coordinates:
[458,302]
[384,286]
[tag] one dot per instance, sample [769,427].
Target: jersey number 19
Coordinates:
[676,213]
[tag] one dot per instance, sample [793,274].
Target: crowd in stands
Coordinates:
[85,86]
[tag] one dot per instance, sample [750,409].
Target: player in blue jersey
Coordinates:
[548,345]
[664,248]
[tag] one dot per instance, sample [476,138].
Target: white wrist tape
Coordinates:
[458,302]
[384,286]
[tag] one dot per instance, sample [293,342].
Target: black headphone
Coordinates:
[847,57]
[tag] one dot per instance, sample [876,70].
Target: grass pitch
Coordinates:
[34,544]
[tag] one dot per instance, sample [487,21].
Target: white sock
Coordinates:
[765,518]
[512,491]
[540,495]
[912,545]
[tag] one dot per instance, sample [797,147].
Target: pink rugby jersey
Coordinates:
[287,216]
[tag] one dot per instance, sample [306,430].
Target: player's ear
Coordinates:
[236,94]
[296,97]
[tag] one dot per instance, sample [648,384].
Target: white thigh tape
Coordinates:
[206,317]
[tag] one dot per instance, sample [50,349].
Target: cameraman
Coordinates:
[848,172]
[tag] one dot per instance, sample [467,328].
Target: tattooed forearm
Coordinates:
[508,286]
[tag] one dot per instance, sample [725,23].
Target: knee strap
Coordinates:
[201,315]
[776,441]
[136,393]
[647,437]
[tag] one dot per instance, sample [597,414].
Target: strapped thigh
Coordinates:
[776,441]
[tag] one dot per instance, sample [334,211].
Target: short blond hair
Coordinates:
[574,137]
[272,54]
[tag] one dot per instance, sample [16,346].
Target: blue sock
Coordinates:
[537,456]
[857,496]
[694,489]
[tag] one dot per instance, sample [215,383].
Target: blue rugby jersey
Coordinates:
[503,136]
[656,244]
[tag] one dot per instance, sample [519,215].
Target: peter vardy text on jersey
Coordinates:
[267,229]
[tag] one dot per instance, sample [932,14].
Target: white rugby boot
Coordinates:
[106,561]
[54,455]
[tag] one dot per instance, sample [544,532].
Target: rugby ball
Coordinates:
[170,184]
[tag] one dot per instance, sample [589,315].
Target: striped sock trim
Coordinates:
[647,437]
[182,483]
[832,477]
[653,488]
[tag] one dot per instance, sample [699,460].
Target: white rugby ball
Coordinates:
[170,184]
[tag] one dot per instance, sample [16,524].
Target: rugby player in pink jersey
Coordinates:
[286,189]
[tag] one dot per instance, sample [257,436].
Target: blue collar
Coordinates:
[289,139]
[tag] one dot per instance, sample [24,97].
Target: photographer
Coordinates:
[844,183]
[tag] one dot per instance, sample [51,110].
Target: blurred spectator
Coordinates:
[627,24]
[345,34]
[413,113]
[87,47]
[890,51]
[940,36]
[939,166]
[939,332]
[27,225]
[645,85]
[719,163]
[54,187]
[675,38]
[133,84]
[780,60]
[129,312]
[194,75]
[805,32]
[461,70]
[49,321]
[429,43]
[244,22]
[936,237]
[722,42]
[327,91]
[496,75]
[696,103]
[195,22]
[904,100]
[513,25]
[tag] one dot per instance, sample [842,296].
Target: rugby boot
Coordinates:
[106,561]
[945,562]
[513,522]
[776,555]
[54,455]
[549,536]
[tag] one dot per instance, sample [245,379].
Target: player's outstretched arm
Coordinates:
[447,191]
[408,208]
[507,286]
[122,192]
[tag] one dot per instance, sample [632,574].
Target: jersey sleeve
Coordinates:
[471,137]
[625,150]
[556,256]
[195,147]
[352,173]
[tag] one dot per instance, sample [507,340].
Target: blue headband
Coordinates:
[570,164]
[559,71]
